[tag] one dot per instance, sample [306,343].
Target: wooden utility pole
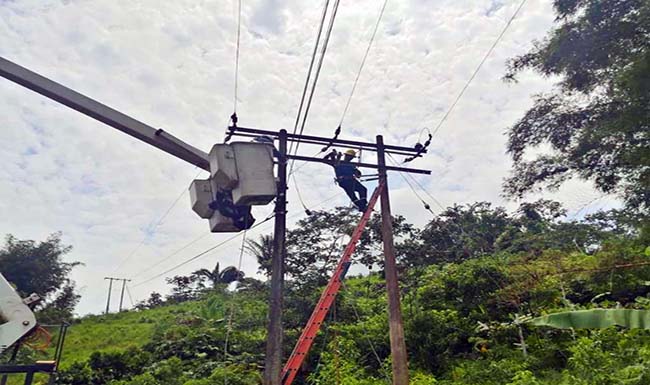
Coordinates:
[110,288]
[273,360]
[124,281]
[397,344]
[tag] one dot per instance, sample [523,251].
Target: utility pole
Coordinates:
[273,360]
[110,288]
[124,281]
[395,323]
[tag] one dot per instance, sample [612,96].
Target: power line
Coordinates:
[311,66]
[478,68]
[317,74]
[363,62]
[172,254]
[219,245]
[237,57]
[198,255]
[158,223]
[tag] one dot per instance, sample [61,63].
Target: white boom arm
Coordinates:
[18,317]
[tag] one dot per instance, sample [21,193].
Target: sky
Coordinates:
[171,65]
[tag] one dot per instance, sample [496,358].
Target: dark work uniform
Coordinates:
[346,177]
[241,215]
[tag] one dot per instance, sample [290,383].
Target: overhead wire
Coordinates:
[363,62]
[478,68]
[172,254]
[201,254]
[309,71]
[195,257]
[232,304]
[238,34]
[328,34]
[158,223]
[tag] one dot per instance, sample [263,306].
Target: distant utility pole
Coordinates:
[110,288]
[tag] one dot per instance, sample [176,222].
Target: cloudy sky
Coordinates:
[171,63]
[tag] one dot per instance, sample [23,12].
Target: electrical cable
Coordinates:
[200,254]
[363,62]
[237,61]
[128,293]
[316,75]
[172,254]
[478,68]
[232,305]
[221,244]
[158,223]
[309,71]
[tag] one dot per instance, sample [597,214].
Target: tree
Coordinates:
[39,268]
[216,276]
[597,123]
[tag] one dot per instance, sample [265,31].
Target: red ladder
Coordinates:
[327,298]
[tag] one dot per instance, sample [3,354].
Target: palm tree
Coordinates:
[263,251]
[216,276]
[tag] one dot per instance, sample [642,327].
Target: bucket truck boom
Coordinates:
[18,319]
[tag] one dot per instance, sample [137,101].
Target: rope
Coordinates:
[478,68]
[363,62]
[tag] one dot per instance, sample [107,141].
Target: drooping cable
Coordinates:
[478,68]
[158,223]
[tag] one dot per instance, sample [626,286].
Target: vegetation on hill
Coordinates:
[467,311]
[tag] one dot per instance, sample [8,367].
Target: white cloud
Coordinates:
[170,64]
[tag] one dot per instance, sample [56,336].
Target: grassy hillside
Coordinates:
[117,332]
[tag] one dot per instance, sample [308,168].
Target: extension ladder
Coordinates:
[327,298]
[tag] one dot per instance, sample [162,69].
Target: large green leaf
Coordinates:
[596,319]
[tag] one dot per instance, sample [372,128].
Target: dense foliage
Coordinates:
[597,121]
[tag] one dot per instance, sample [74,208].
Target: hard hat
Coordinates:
[351,152]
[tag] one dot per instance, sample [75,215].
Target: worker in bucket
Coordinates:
[347,177]
[241,215]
